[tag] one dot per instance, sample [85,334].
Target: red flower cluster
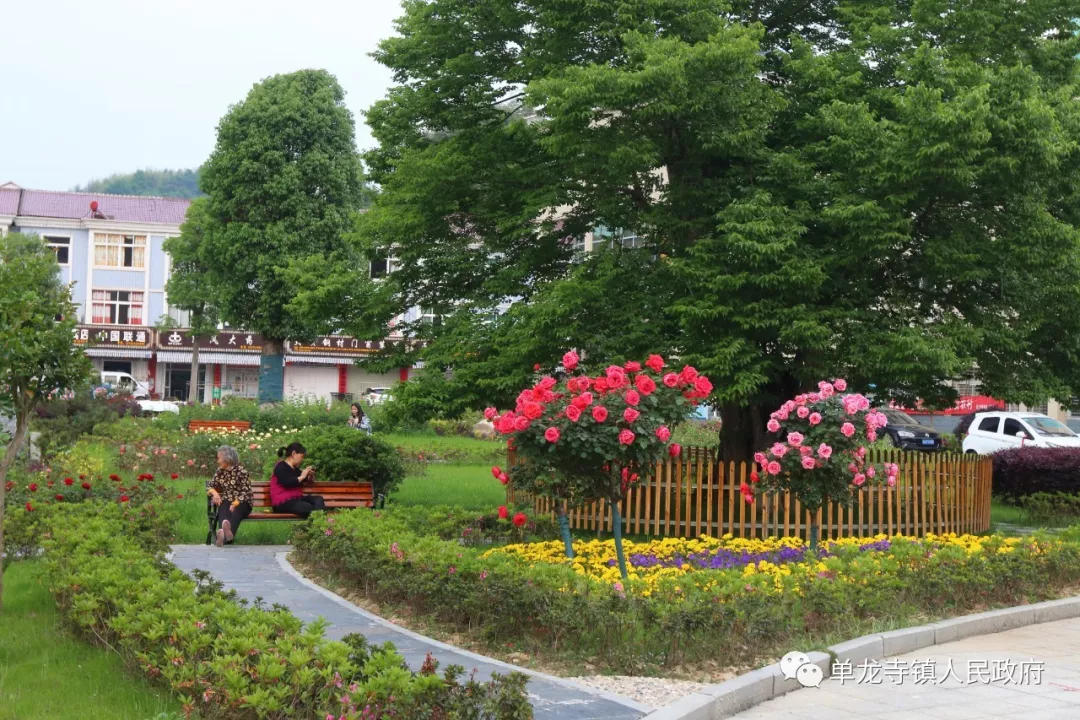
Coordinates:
[628,381]
[520,519]
[145,477]
[114,478]
[69,481]
[174,476]
[86,486]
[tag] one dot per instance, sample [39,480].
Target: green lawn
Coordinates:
[46,674]
[468,486]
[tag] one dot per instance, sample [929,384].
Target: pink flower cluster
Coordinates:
[810,410]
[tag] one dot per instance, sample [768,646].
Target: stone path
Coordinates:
[260,571]
[1052,694]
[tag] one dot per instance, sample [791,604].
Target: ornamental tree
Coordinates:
[585,438]
[37,355]
[820,449]
[282,184]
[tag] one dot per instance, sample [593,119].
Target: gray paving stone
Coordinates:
[253,572]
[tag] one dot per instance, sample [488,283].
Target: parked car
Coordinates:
[993,431]
[907,433]
[123,382]
[377,396]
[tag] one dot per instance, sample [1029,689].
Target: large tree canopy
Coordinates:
[281,185]
[874,189]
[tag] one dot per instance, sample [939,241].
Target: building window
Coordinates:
[120,251]
[430,317]
[577,246]
[62,247]
[383,264]
[117,307]
[618,237]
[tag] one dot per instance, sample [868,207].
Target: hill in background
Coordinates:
[163,183]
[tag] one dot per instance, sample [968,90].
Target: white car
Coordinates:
[993,431]
[377,396]
[123,382]
[159,406]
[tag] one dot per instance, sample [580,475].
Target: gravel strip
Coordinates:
[654,692]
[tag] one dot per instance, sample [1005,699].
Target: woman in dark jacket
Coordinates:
[230,490]
[286,493]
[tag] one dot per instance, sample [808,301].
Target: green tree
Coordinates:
[190,286]
[282,184]
[877,190]
[37,355]
[163,183]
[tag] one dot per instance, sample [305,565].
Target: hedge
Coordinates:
[726,616]
[1019,472]
[228,660]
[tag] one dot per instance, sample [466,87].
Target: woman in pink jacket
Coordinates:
[286,491]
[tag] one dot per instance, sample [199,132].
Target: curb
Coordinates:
[714,702]
[283,562]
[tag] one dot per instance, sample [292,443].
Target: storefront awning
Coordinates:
[209,358]
[118,353]
[319,360]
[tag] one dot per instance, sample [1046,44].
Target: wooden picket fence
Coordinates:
[695,495]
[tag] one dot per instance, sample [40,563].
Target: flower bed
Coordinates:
[227,660]
[736,602]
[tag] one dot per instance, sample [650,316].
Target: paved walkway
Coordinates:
[1041,661]
[257,571]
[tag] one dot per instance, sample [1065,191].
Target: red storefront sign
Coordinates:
[965,405]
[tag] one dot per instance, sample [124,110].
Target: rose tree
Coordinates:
[586,438]
[820,449]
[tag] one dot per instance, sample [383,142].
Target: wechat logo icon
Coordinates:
[797,666]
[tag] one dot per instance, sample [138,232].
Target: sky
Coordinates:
[113,86]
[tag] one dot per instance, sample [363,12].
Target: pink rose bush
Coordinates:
[583,437]
[820,454]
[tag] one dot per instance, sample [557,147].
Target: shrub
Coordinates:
[227,660]
[471,528]
[1051,508]
[1019,472]
[345,454]
[63,421]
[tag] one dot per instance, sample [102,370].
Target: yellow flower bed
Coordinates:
[669,563]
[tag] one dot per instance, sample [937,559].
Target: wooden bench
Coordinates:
[338,495]
[218,425]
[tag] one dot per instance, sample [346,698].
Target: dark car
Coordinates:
[907,434]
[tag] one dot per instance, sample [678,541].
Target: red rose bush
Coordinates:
[819,449]
[585,437]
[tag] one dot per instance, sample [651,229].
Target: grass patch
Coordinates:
[453,449]
[467,486]
[46,674]
[1003,512]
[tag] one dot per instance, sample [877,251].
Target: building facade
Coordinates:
[110,250]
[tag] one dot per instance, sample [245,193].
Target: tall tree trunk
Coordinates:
[272,371]
[193,394]
[21,420]
[742,431]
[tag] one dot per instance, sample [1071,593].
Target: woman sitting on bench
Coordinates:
[286,491]
[230,490]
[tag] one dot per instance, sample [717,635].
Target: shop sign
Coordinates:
[228,340]
[121,336]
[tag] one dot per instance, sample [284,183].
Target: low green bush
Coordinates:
[1051,508]
[64,420]
[227,660]
[472,528]
[741,615]
[344,454]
